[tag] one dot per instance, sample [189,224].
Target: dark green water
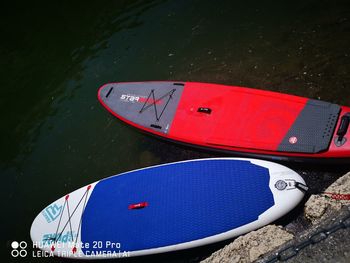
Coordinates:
[55,137]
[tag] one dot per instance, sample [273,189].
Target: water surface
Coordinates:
[56,137]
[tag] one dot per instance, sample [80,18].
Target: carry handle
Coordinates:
[204,110]
[343,127]
[138,205]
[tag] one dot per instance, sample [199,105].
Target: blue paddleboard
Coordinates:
[167,207]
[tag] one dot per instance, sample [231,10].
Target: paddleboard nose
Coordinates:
[56,229]
[106,91]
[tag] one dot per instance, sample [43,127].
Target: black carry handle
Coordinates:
[109,92]
[156,126]
[343,127]
[204,110]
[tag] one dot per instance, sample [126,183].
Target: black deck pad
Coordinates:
[149,104]
[313,129]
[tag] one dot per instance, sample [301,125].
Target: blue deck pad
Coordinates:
[186,201]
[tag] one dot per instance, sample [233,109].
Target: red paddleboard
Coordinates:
[233,119]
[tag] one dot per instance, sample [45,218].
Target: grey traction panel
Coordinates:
[133,101]
[313,129]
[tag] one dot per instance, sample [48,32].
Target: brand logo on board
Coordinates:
[129,98]
[53,238]
[139,99]
[293,140]
[52,212]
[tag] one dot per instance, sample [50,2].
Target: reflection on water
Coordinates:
[55,136]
